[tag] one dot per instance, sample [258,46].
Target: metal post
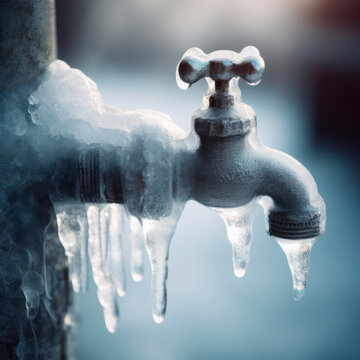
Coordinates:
[28,230]
[27,40]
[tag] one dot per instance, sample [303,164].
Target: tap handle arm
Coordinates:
[220,66]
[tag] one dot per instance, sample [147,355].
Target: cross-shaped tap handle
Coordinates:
[220,66]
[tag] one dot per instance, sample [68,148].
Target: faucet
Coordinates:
[228,167]
[221,164]
[231,170]
[231,167]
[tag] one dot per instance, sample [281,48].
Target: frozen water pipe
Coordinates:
[74,167]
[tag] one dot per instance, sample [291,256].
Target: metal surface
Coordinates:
[231,166]
[27,46]
[27,40]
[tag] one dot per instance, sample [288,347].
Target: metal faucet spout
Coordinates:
[297,210]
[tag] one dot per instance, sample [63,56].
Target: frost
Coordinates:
[68,104]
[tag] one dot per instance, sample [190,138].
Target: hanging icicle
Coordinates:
[73,234]
[137,249]
[298,256]
[117,263]
[158,235]
[238,223]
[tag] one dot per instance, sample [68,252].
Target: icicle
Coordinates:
[83,239]
[117,263]
[32,302]
[100,267]
[72,228]
[104,231]
[50,307]
[238,223]
[158,234]
[32,286]
[298,257]
[137,249]
[48,237]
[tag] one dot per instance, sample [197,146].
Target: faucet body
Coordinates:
[227,167]
[225,174]
[231,168]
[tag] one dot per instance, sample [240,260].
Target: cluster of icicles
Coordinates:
[95,231]
[238,223]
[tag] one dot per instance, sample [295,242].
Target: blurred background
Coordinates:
[307,106]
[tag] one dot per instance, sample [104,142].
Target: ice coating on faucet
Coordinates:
[220,65]
[194,52]
[298,256]
[62,117]
[154,170]
[238,223]
[81,115]
[147,153]
[137,249]
[53,123]
[253,54]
